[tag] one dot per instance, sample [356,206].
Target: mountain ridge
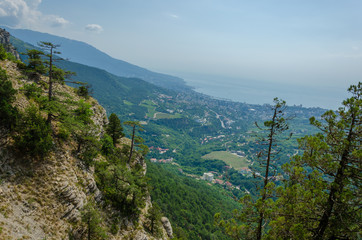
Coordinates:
[86,54]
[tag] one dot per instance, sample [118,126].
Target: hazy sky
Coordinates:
[299,42]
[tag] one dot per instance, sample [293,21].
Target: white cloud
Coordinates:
[58,21]
[172,15]
[33,3]
[94,28]
[14,12]
[25,13]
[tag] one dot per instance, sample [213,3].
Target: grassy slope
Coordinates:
[229,158]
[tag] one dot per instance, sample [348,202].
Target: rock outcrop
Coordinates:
[167,226]
[5,41]
[44,198]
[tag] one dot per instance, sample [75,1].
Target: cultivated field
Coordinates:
[233,160]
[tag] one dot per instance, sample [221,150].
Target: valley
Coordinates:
[190,134]
[182,120]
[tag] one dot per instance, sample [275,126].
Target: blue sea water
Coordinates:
[258,92]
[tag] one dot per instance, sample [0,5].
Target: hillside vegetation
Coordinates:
[192,203]
[62,175]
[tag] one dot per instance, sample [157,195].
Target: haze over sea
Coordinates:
[261,92]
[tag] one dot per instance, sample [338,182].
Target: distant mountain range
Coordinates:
[110,90]
[86,54]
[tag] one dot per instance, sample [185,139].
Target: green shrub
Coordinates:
[153,220]
[63,134]
[125,189]
[8,113]
[107,145]
[114,229]
[84,91]
[34,133]
[32,90]
[11,57]
[20,65]
[3,54]
[90,150]
[83,112]
[93,221]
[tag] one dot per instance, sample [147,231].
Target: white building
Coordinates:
[208,177]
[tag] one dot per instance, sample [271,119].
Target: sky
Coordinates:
[305,44]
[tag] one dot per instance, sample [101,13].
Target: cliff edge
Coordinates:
[76,185]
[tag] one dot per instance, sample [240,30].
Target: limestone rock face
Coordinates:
[5,41]
[93,189]
[74,198]
[167,226]
[141,236]
[99,119]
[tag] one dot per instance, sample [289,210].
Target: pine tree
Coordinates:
[322,197]
[51,51]
[114,128]
[252,219]
[153,223]
[35,67]
[136,141]
[93,221]
[107,145]
[55,74]
[43,63]
[124,188]
[275,126]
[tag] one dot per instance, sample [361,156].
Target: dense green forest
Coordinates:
[190,204]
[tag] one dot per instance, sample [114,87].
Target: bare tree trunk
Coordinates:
[261,215]
[50,92]
[132,144]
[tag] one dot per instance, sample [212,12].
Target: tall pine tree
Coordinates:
[322,197]
[250,222]
[114,128]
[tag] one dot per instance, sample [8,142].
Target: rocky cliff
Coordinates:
[46,197]
[5,41]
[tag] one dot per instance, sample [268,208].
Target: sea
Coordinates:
[259,92]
